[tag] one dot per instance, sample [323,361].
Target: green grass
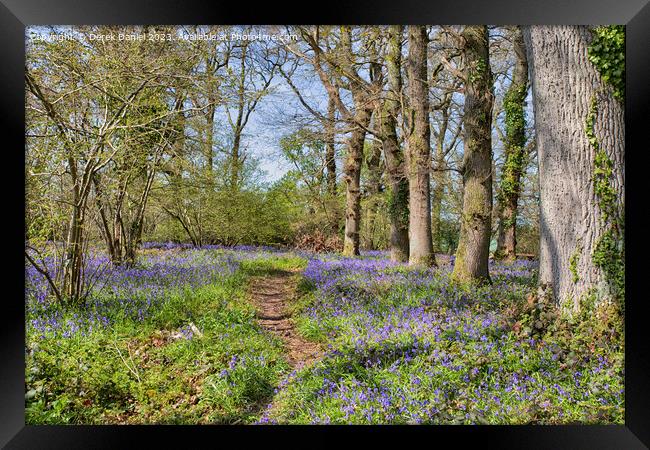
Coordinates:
[135,372]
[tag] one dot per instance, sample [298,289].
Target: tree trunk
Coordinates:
[330,156]
[515,152]
[135,232]
[235,162]
[476,219]
[101,207]
[209,143]
[352,172]
[393,155]
[238,126]
[580,138]
[419,152]
[73,266]
[374,188]
[352,168]
[330,162]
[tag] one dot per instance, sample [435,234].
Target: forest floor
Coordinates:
[248,335]
[272,295]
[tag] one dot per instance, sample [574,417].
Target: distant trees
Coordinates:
[474,242]
[580,136]
[443,145]
[253,76]
[337,68]
[205,188]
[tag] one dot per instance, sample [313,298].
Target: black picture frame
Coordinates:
[15,15]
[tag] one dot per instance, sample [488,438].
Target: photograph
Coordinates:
[324,224]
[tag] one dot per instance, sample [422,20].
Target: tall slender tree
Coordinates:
[474,242]
[515,151]
[418,150]
[393,154]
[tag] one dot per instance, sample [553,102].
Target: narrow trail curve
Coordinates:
[272,294]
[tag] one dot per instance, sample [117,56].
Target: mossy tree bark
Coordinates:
[515,152]
[393,154]
[580,138]
[474,242]
[418,150]
[374,187]
[352,177]
[363,107]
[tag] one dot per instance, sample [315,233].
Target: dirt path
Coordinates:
[272,294]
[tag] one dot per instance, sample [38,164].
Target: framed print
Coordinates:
[408,219]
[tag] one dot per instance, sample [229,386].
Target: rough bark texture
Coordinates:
[373,189]
[566,86]
[418,151]
[352,176]
[375,168]
[393,155]
[474,241]
[514,152]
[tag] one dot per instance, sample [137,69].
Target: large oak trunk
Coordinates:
[569,100]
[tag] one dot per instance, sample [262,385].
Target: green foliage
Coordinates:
[305,150]
[608,253]
[397,201]
[573,265]
[607,53]
[603,168]
[477,71]
[448,235]
[515,121]
[528,239]
[250,217]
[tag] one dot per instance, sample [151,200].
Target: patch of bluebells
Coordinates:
[122,292]
[187,332]
[237,368]
[408,346]
[133,293]
[186,246]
